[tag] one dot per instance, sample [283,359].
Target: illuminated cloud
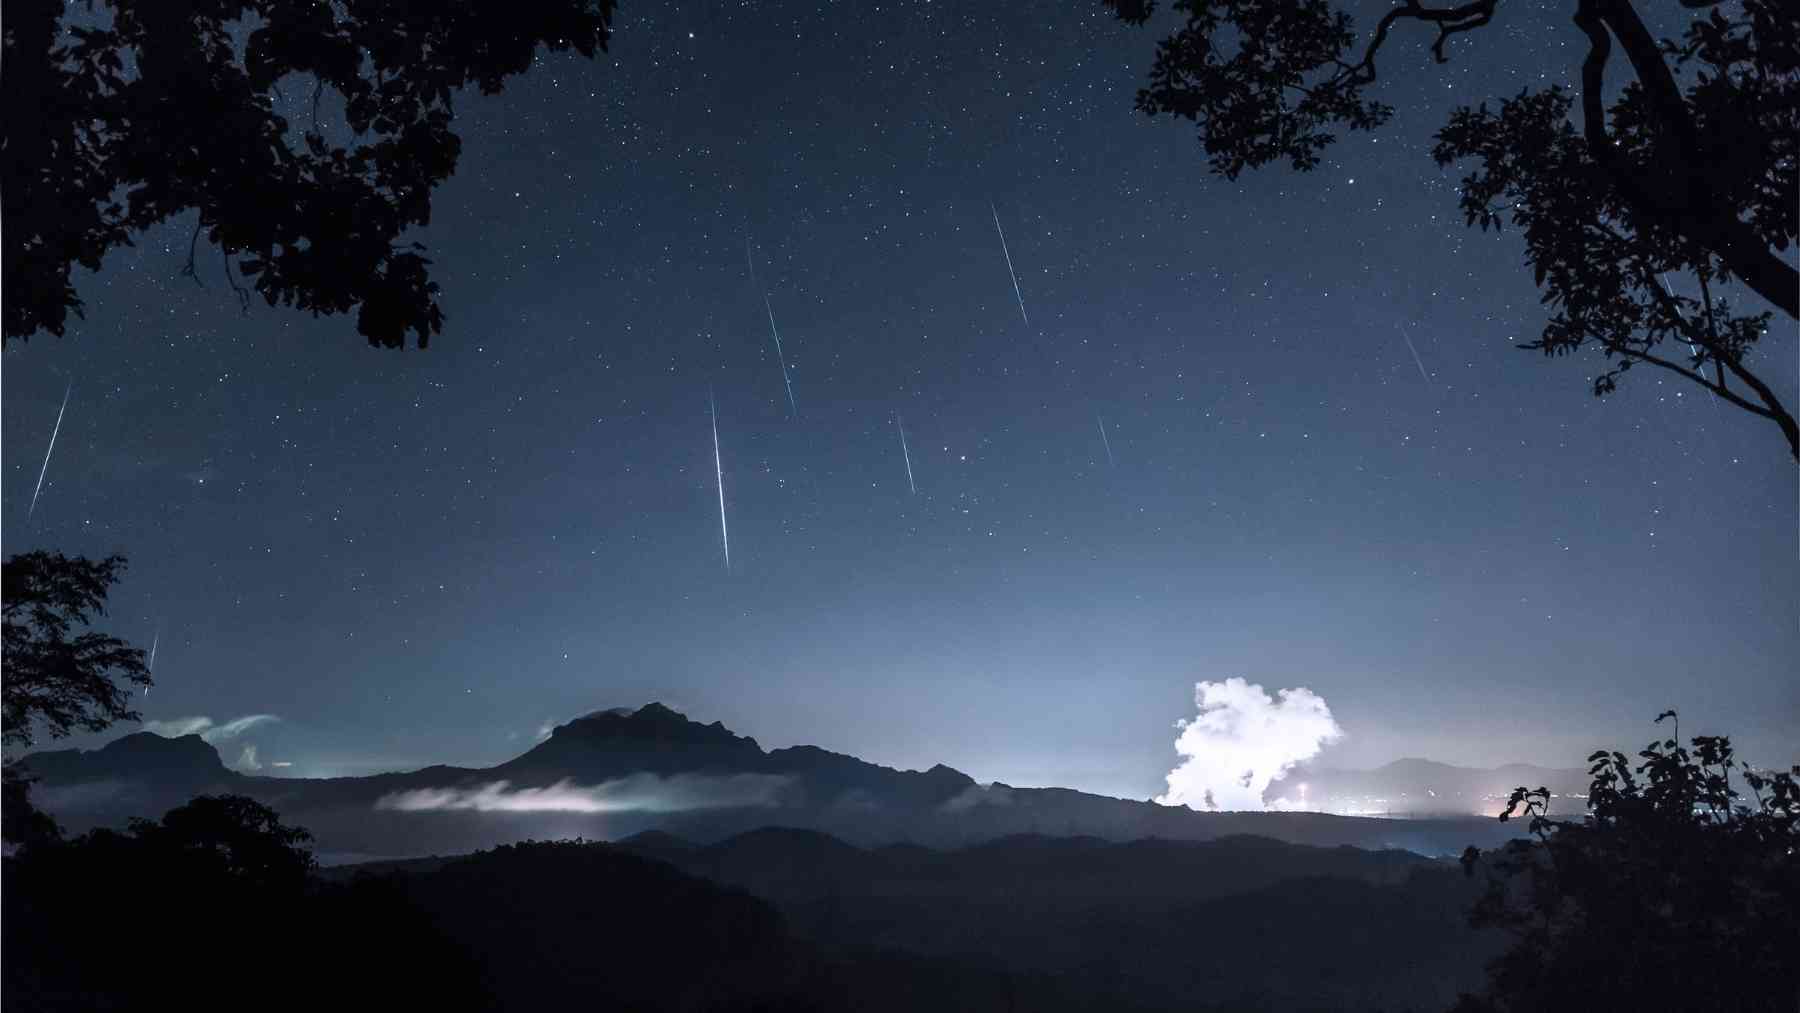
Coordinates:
[247,761]
[175,728]
[1243,739]
[979,794]
[205,728]
[634,793]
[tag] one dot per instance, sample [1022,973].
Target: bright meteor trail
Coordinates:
[1104,441]
[50,450]
[781,358]
[1009,264]
[905,453]
[719,474]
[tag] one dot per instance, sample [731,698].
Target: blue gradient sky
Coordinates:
[421,557]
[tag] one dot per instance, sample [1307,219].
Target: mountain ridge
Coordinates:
[612,773]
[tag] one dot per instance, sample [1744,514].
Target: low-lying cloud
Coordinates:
[633,793]
[204,727]
[1242,740]
[978,795]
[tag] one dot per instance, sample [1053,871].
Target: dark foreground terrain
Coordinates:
[771,920]
[1019,923]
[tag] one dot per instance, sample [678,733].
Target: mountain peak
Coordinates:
[654,738]
[141,754]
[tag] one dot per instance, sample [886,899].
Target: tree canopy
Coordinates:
[216,901]
[60,675]
[1691,171]
[123,114]
[1674,891]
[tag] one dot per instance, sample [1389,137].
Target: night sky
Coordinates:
[423,556]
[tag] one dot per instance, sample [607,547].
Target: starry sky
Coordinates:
[424,556]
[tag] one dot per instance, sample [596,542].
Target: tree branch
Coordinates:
[190,271]
[1449,21]
[1699,378]
[1775,410]
[1695,213]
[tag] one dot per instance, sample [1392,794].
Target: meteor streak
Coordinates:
[781,358]
[1104,441]
[1664,278]
[719,474]
[905,453]
[1009,264]
[49,450]
[1416,360]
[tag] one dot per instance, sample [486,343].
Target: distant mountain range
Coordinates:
[615,773]
[1024,922]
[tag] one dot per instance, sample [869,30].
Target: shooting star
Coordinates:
[1104,441]
[781,358]
[150,666]
[1009,264]
[1695,352]
[719,474]
[905,453]
[49,450]
[1417,361]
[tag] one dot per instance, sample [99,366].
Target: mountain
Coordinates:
[141,774]
[614,773]
[1022,922]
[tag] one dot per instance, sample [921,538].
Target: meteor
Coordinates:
[907,454]
[150,666]
[781,358]
[49,450]
[1104,441]
[719,474]
[1009,264]
[1416,360]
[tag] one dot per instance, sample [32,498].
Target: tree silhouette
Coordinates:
[1692,171]
[60,675]
[123,114]
[1675,892]
[215,902]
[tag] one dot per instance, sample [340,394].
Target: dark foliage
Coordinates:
[1674,891]
[1692,171]
[59,673]
[123,114]
[215,907]
[23,823]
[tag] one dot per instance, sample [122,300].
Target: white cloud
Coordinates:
[281,763]
[205,728]
[979,794]
[247,761]
[175,728]
[545,729]
[237,726]
[1242,740]
[634,793]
